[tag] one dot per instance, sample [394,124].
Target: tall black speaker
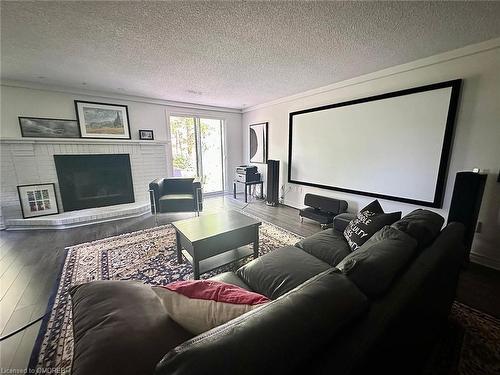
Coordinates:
[273,182]
[466,202]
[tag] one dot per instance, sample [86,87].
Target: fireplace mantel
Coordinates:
[80,141]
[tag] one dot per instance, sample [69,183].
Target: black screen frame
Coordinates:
[445,150]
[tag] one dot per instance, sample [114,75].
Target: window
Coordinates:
[197,150]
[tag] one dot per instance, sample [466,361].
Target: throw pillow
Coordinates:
[369,220]
[423,225]
[280,271]
[200,305]
[379,260]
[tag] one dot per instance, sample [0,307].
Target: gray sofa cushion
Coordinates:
[120,327]
[276,338]
[377,262]
[329,245]
[177,203]
[423,225]
[281,270]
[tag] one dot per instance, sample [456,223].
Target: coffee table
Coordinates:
[210,241]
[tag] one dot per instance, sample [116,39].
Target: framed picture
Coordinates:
[102,120]
[39,127]
[146,134]
[258,143]
[38,200]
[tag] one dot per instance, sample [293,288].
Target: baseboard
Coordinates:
[485,261]
[293,204]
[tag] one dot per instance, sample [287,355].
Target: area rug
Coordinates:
[471,345]
[147,255]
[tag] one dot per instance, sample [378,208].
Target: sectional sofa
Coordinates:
[332,311]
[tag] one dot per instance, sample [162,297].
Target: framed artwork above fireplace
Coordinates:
[48,127]
[146,135]
[102,120]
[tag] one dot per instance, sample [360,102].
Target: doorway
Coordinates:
[197,150]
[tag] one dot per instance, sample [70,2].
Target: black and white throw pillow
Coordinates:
[369,221]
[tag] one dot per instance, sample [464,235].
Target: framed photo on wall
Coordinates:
[258,143]
[38,127]
[146,135]
[102,120]
[38,200]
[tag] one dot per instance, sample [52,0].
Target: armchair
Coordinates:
[176,195]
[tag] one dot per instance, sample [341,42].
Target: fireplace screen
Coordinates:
[88,181]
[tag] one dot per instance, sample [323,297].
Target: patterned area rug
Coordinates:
[471,347]
[147,255]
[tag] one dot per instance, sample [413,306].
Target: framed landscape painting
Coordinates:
[38,200]
[258,143]
[102,120]
[38,127]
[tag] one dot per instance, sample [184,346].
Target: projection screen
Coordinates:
[392,146]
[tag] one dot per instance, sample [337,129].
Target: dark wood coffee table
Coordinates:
[211,241]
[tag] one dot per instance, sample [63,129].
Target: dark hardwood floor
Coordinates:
[30,262]
[479,287]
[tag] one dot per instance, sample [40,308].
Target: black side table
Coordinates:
[247,184]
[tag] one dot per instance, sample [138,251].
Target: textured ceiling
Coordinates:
[231,54]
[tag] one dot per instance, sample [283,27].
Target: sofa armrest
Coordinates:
[341,221]
[155,192]
[198,193]
[120,327]
[277,337]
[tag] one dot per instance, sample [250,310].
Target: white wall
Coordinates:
[477,132]
[38,101]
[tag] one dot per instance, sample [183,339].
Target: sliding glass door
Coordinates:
[197,150]
[183,138]
[211,155]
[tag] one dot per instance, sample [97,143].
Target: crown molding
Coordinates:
[108,95]
[417,64]
[398,69]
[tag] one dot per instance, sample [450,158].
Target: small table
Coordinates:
[211,241]
[247,184]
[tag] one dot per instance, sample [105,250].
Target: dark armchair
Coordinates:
[176,195]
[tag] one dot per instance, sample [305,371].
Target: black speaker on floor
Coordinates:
[466,202]
[273,182]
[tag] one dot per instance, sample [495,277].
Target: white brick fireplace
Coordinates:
[31,161]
